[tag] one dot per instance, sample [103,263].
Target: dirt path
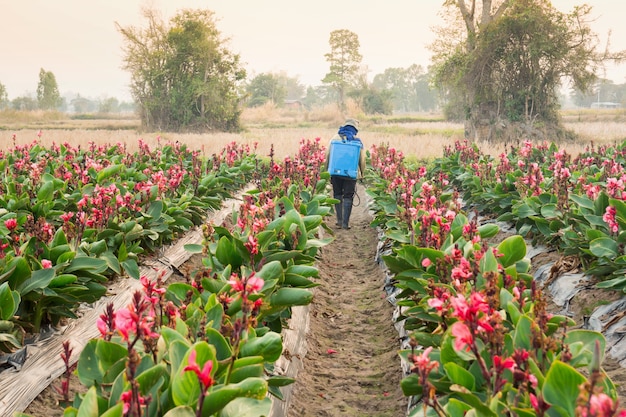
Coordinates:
[352,366]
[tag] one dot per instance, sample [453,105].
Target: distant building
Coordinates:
[294,104]
[605,105]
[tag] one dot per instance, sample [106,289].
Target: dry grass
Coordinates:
[283,129]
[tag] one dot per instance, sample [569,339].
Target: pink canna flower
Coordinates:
[11,224]
[125,323]
[463,336]
[45,263]
[610,218]
[204,374]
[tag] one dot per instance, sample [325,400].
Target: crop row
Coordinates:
[481,339]
[202,347]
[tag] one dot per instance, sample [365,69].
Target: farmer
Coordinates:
[346,166]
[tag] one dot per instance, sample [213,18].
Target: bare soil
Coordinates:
[352,367]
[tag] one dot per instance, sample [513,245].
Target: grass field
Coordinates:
[419,136]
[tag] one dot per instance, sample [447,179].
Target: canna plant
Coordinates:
[481,339]
[71,219]
[207,346]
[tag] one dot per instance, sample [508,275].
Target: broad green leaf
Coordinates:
[217,399]
[38,280]
[287,297]
[512,249]
[604,247]
[247,407]
[561,387]
[488,230]
[270,346]
[522,334]
[460,376]
[96,358]
[194,248]
[181,411]
[89,405]
[108,172]
[7,302]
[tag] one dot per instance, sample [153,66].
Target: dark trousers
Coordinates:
[343,190]
[343,187]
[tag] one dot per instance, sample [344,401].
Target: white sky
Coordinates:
[78,41]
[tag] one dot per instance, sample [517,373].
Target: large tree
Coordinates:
[345,63]
[503,75]
[48,96]
[183,78]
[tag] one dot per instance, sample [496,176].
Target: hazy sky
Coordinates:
[78,41]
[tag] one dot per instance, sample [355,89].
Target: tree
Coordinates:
[345,60]
[503,77]
[48,96]
[24,103]
[83,105]
[183,78]
[108,105]
[266,88]
[409,87]
[4,97]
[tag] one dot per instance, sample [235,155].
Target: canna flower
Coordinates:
[10,224]
[204,374]
[609,218]
[462,336]
[45,263]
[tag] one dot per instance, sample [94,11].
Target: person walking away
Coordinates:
[345,159]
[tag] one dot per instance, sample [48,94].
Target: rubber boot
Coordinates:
[338,212]
[347,210]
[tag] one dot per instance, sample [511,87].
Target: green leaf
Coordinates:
[96,359]
[513,249]
[561,386]
[223,350]
[269,346]
[7,302]
[131,268]
[287,297]
[89,405]
[38,280]
[87,263]
[489,263]
[604,247]
[522,333]
[46,191]
[150,377]
[194,248]
[108,172]
[271,271]
[460,376]
[247,407]
[227,253]
[181,411]
[218,399]
[488,230]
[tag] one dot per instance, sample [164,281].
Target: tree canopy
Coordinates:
[183,77]
[48,96]
[514,56]
[345,62]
